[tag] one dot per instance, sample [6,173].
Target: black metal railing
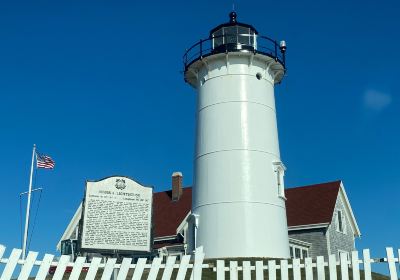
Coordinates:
[234,43]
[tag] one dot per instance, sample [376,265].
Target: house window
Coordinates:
[340,222]
[280,173]
[298,252]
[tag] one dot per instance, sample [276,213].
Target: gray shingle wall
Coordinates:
[317,237]
[339,240]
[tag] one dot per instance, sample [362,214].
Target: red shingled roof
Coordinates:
[312,204]
[305,205]
[169,214]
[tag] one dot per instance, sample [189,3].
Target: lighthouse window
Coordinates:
[280,173]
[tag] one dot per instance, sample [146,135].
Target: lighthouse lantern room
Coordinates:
[238,207]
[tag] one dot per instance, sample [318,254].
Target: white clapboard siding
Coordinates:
[15,268]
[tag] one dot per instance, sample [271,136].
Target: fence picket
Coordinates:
[246,270]
[284,270]
[94,266]
[61,266]
[308,268]
[332,267]
[155,267]
[108,269]
[391,263]
[259,270]
[11,264]
[110,266]
[2,250]
[137,274]
[367,264]
[44,267]
[296,269]
[183,268]
[220,269]
[169,266]
[77,269]
[272,270]
[198,264]
[123,271]
[28,265]
[233,270]
[355,265]
[321,268]
[344,266]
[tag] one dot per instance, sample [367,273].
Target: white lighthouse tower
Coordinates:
[238,207]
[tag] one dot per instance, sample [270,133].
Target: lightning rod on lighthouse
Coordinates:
[238,207]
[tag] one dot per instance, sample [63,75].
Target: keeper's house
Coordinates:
[320,220]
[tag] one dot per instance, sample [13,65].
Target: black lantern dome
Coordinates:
[233,36]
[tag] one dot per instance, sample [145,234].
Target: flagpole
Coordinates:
[28,206]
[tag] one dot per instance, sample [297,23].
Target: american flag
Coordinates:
[43,161]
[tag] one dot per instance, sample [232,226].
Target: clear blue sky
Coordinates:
[97,85]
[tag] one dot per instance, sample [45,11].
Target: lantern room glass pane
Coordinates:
[218,39]
[230,34]
[243,37]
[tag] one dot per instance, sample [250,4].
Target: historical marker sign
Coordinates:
[117,215]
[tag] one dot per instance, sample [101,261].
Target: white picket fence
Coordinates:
[295,269]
